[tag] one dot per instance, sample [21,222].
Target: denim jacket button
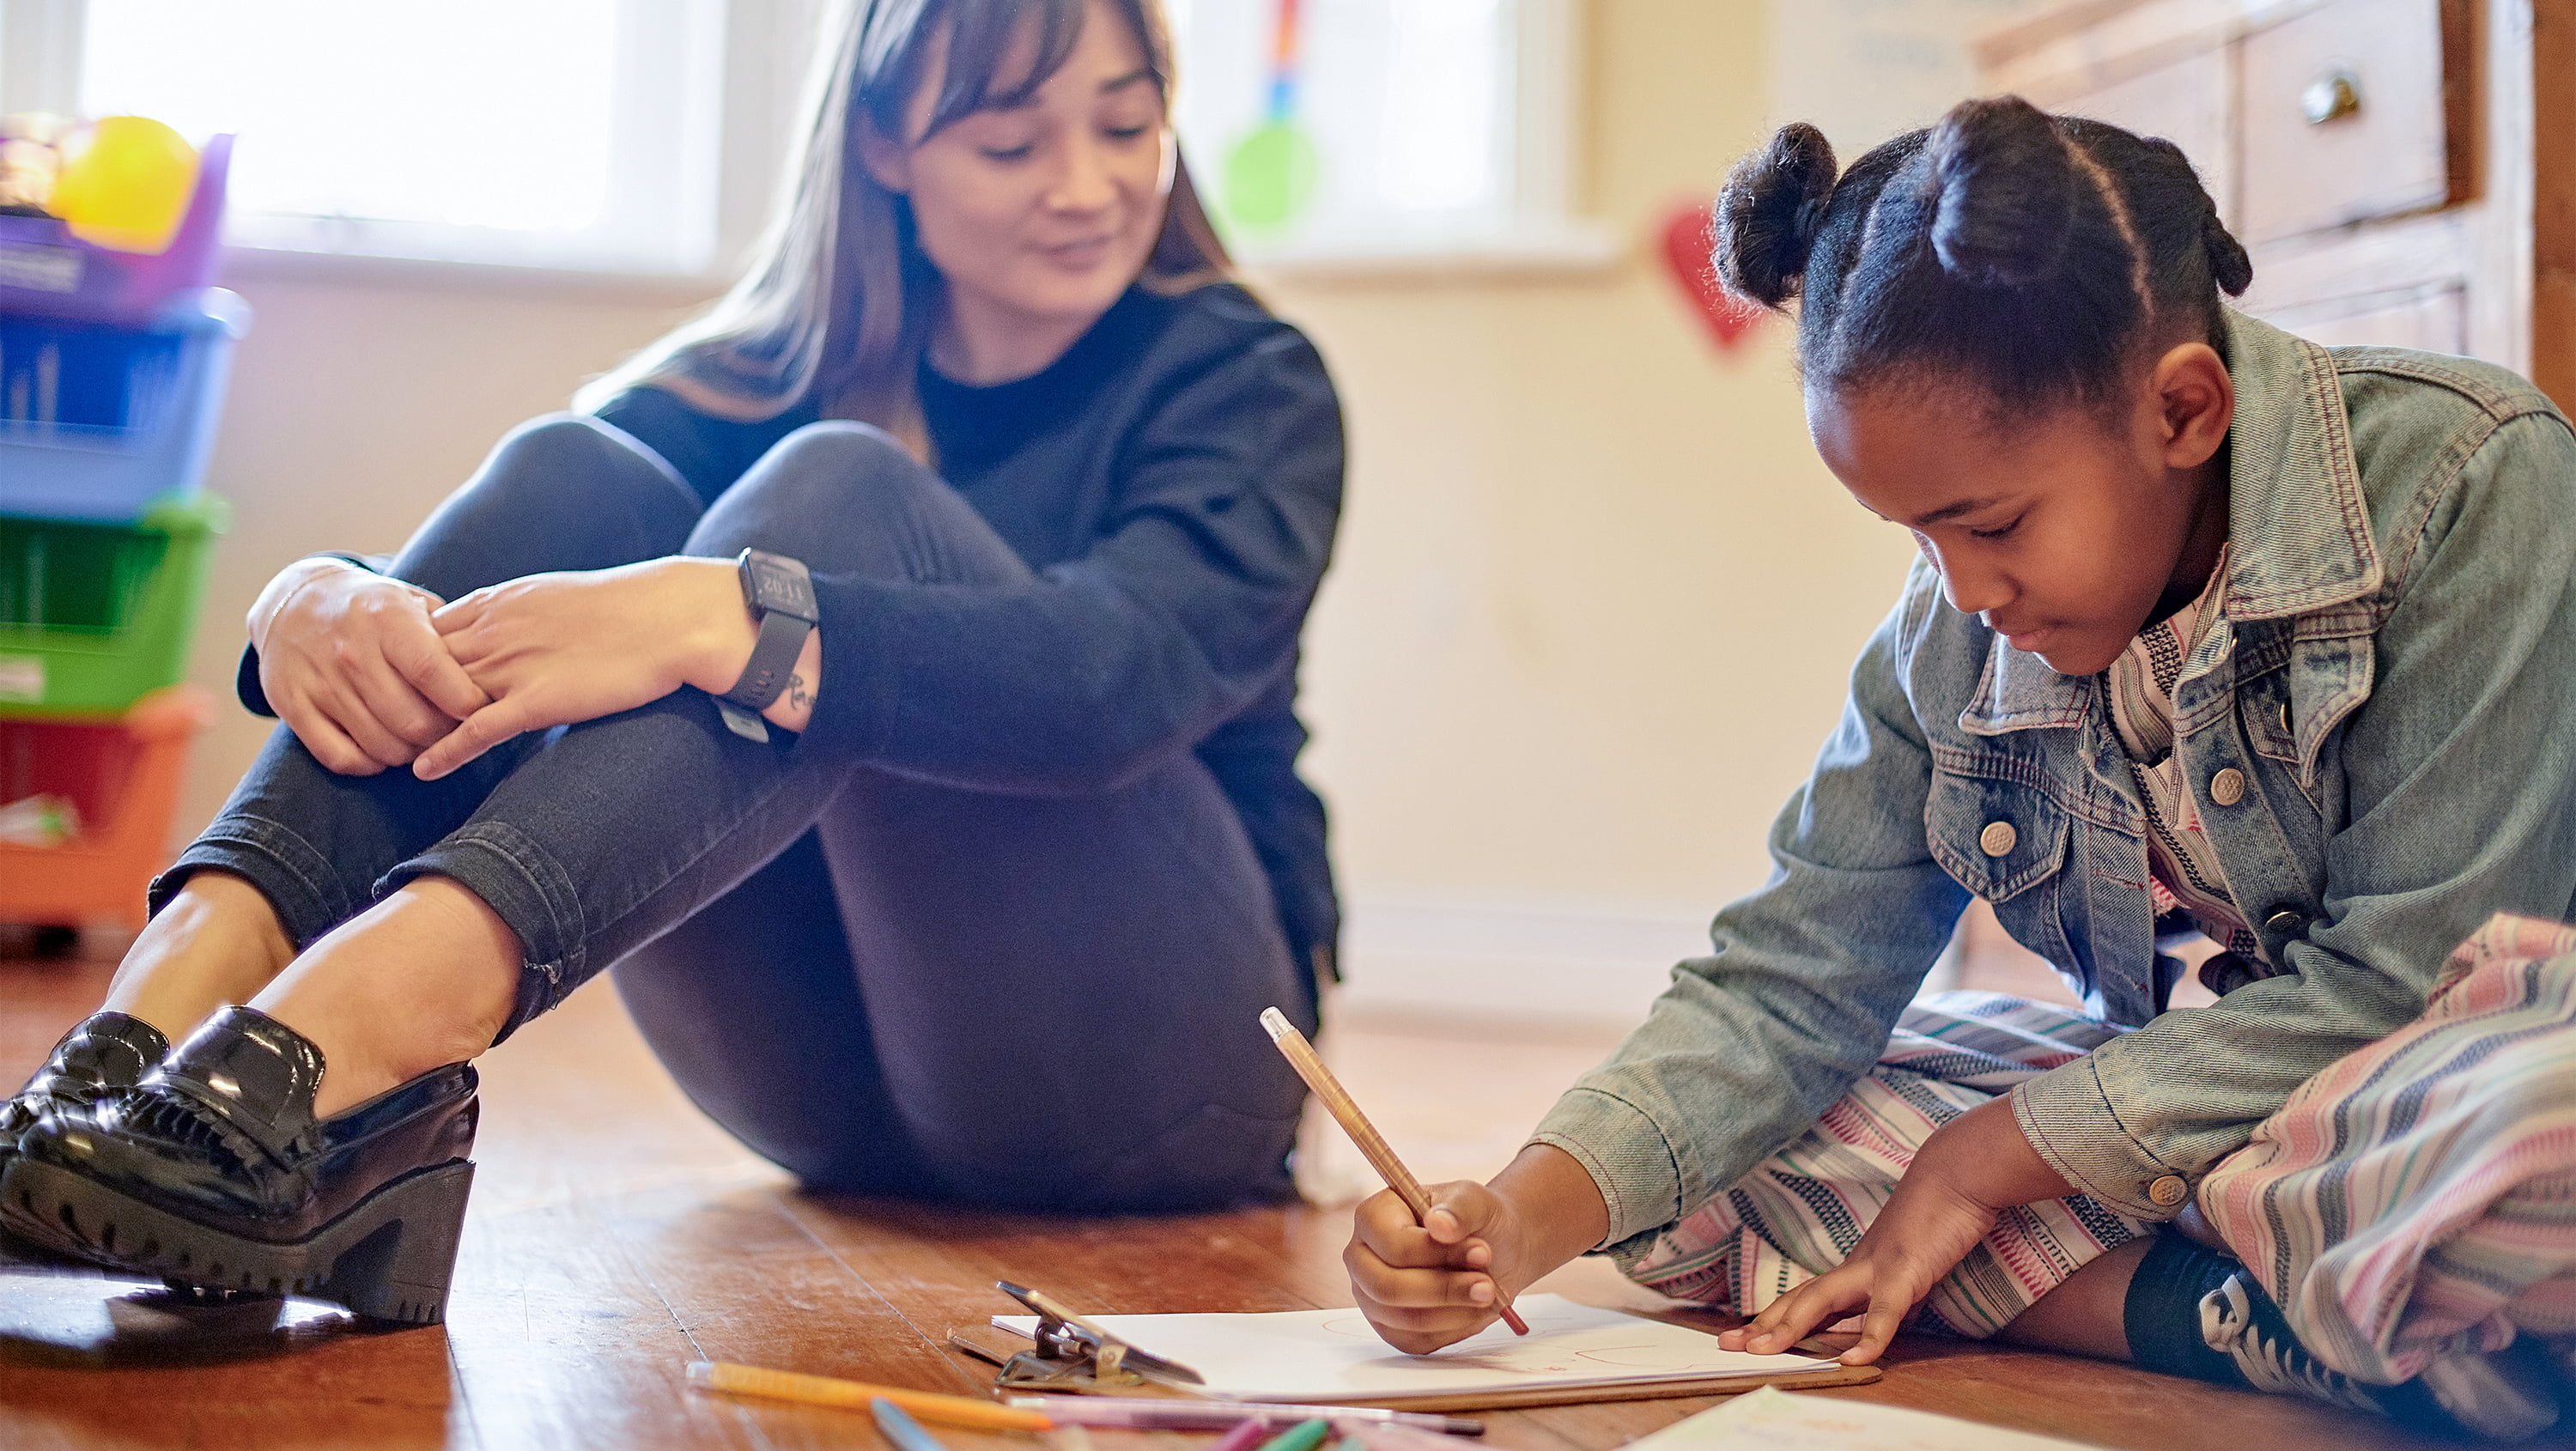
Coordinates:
[2285,718]
[2168,1190]
[2284,922]
[2227,787]
[1998,838]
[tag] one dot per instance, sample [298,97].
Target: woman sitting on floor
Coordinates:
[943,827]
[2215,632]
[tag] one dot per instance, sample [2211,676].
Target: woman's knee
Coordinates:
[835,475]
[576,453]
[564,491]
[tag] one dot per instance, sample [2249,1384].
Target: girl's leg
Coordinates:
[299,849]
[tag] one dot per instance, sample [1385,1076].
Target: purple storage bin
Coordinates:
[98,421]
[44,269]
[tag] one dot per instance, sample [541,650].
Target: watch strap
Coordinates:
[782,638]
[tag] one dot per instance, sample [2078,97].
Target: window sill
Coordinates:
[257,264]
[1571,249]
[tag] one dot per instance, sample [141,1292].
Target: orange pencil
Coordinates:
[1301,1055]
[966,1412]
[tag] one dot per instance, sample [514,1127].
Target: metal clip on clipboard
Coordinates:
[1073,1354]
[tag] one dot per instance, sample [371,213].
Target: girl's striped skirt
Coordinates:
[2416,1201]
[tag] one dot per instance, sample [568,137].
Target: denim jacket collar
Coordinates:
[2297,523]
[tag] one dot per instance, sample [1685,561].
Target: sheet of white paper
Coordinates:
[1767,1420]
[1333,1355]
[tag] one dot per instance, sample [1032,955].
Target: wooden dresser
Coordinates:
[2403,171]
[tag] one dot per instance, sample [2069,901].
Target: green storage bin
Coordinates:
[95,616]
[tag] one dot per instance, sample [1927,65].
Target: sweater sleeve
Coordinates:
[1098,668]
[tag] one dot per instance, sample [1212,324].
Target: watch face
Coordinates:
[780,584]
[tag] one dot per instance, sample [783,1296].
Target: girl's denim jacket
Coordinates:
[2388,705]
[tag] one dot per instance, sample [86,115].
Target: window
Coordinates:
[550,133]
[1341,131]
[643,135]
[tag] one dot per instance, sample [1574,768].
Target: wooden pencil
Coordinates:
[1301,1055]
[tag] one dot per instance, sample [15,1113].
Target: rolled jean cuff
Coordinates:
[301,884]
[534,897]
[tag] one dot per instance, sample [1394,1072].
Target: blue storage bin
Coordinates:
[97,422]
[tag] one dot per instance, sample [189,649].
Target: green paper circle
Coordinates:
[1270,176]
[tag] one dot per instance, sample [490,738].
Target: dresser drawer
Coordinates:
[2188,102]
[2432,319]
[2344,117]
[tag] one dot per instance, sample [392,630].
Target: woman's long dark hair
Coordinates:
[2031,255]
[837,299]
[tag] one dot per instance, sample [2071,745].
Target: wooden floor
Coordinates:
[616,1236]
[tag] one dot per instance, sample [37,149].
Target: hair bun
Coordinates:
[1766,218]
[2229,267]
[2005,191]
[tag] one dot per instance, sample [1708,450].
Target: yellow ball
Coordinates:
[128,185]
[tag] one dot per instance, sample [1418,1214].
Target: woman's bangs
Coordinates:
[982,36]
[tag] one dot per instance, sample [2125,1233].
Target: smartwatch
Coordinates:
[779,592]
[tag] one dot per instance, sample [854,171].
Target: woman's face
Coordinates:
[1040,215]
[2062,531]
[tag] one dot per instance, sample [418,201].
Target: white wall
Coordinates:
[1593,604]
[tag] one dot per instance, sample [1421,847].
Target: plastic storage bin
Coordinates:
[92,616]
[45,269]
[122,774]
[98,422]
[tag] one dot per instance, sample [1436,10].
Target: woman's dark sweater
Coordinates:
[1174,480]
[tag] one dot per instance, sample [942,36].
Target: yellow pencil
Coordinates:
[1301,1055]
[965,1412]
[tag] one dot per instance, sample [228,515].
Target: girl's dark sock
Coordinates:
[2195,1312]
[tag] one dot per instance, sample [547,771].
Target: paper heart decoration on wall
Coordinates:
[1686,254]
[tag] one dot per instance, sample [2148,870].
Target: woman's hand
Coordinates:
[349,660]
[553,649]
[1426,1286]
[1971,1170]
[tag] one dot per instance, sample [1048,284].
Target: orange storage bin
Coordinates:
[122,774]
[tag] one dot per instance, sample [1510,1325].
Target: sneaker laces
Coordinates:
[2272,1363]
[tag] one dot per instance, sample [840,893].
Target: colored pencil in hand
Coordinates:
[1301,1055]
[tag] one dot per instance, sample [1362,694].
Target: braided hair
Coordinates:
[2036,256]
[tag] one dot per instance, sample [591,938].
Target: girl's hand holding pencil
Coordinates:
[1429,1284]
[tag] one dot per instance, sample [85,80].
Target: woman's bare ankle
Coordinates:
[425,978]
[216,941]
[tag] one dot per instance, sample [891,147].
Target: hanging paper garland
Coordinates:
[1270,175]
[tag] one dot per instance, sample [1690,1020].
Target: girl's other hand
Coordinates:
[1424,1286]
[350,661]
[1969,1171]
[555,649]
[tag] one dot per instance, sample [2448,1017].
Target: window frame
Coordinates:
[745,67]
[1544,229]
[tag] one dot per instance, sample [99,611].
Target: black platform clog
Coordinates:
[212,1173]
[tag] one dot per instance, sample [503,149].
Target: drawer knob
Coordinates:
[2335,94]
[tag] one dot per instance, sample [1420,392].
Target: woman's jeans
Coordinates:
[884,985]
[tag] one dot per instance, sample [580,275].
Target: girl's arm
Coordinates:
[2457,779]
[1739,1056]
